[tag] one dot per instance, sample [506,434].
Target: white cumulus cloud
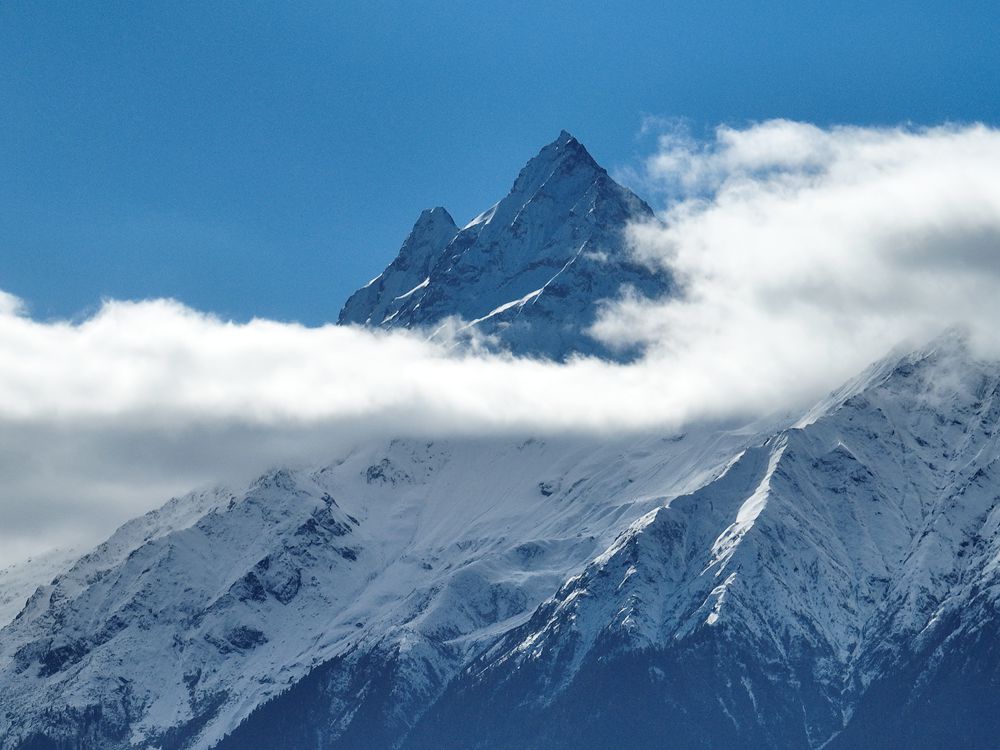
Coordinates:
[805,252]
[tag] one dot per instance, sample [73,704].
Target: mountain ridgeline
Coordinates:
[826,580]
[526,276]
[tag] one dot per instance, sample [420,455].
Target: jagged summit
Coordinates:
[528,273]
[557,161]
[436,215]
[433,230]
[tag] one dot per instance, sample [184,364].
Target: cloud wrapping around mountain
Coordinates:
[804,253]
[107,417]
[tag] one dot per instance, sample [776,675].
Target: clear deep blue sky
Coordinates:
[267,158]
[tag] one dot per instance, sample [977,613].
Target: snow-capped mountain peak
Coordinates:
[527,274]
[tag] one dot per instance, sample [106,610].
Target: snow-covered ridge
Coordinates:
[222,601]
[817,564]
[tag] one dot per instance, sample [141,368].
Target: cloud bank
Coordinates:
[107,417]
[804,253]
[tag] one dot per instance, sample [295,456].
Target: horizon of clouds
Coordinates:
[802,253]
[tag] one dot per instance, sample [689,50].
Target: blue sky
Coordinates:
[268,158]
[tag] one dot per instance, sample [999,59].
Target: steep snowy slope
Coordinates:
[529,273]
[401,560]
[19,582]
